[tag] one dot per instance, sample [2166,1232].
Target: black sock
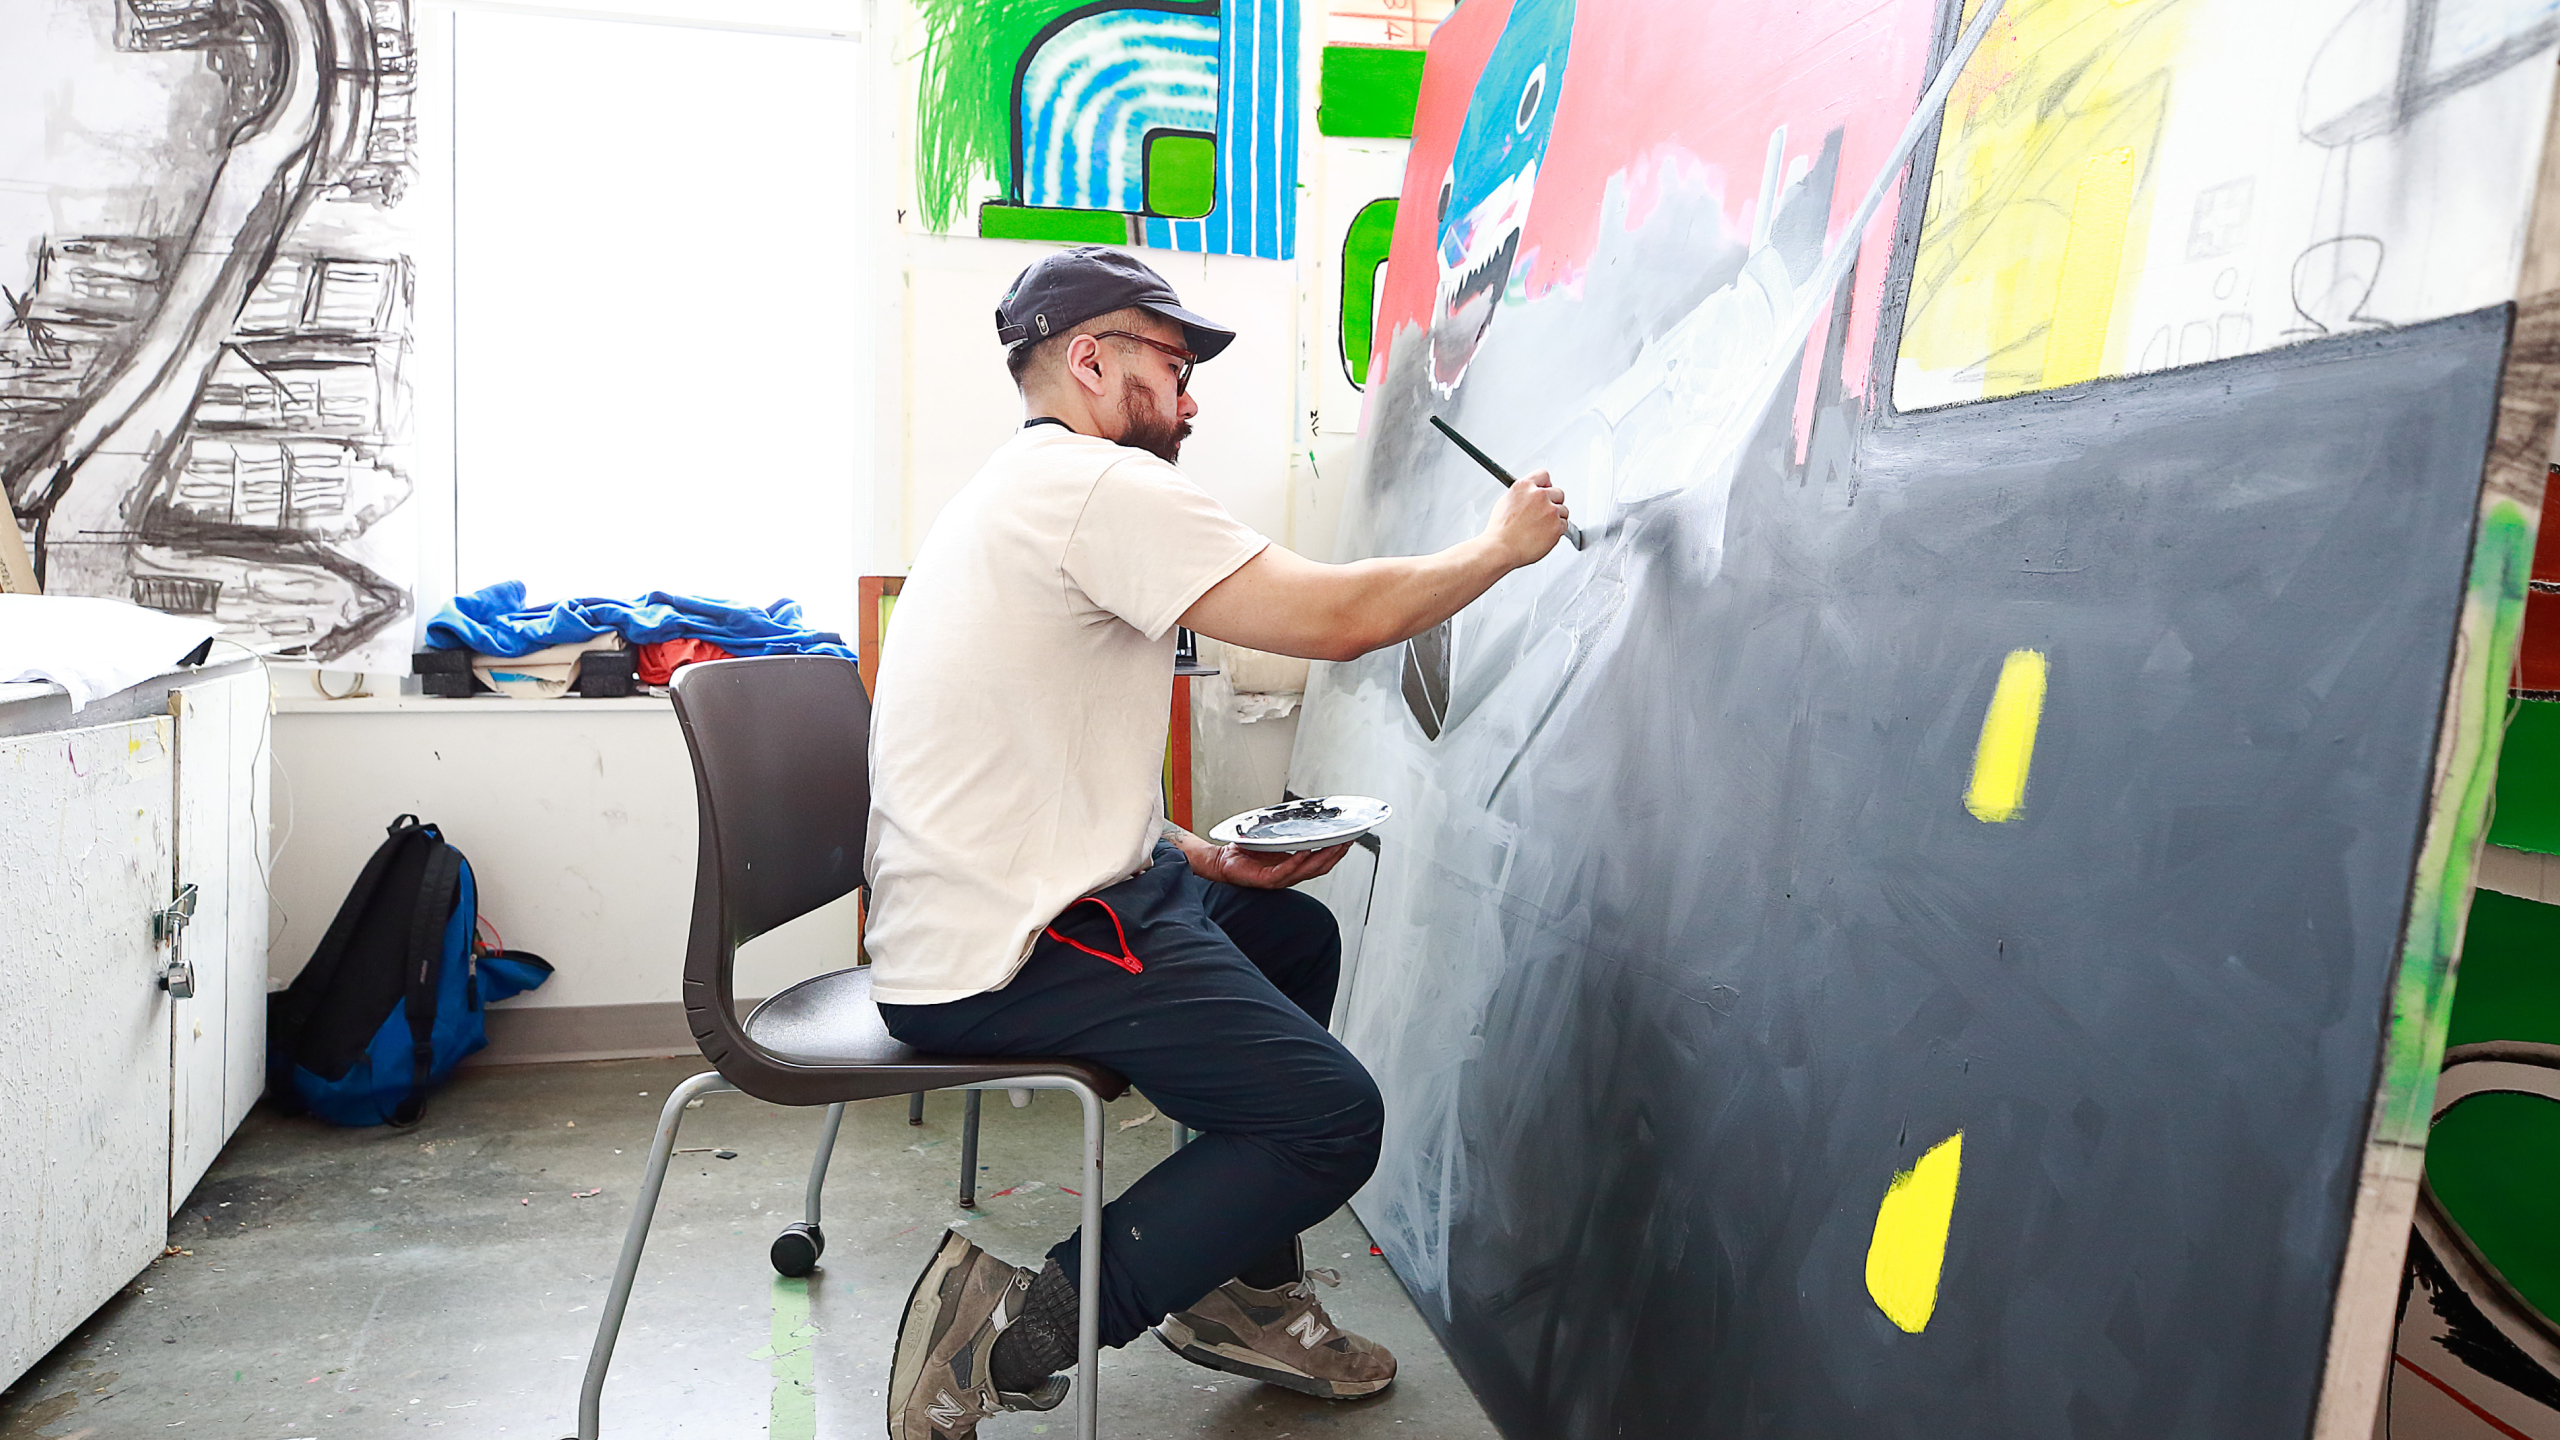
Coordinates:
[1274,1270]
[1042,1339]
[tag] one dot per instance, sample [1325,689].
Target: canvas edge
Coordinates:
[2470,729]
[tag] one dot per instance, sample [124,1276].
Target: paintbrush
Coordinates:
[1572,532]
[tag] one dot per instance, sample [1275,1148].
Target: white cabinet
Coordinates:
[218,1037]
[114,1095]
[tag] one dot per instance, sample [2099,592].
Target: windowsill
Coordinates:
[378,704]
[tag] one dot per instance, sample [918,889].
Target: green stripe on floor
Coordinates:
[795,1363]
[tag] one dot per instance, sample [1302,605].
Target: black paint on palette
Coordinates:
[1752,955]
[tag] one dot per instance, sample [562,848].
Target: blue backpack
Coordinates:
[392,999]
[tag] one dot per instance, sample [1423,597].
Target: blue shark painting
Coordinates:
[1484,200]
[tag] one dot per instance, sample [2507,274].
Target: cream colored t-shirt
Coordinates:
[1018,717]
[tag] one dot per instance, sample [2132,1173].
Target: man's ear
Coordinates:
[1084,363]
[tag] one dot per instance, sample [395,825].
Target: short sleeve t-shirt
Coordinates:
[1019,710]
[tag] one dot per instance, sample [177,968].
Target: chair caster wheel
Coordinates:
[797,1248]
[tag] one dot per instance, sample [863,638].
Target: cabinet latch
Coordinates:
[169,928]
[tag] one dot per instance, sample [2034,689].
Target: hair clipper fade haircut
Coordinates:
[1018,360]
[1022,359]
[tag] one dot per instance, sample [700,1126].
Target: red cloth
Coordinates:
[661,659]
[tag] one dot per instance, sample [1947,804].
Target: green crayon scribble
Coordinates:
[964,96]
[2440,899]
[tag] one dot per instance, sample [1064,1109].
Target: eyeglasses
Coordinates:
[1183,359]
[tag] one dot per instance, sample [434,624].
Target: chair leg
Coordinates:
[915,1108]
[818,1164]
[969,1152]
[644,1209]
[1089,1294]
[1183,1135]
[797,1249]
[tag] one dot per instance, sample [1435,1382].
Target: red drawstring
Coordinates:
[1127,959]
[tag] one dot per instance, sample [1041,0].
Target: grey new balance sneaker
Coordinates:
[1279,1337]
[939,1383]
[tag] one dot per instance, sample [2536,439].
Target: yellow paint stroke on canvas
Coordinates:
[2076,346]
[2008,743]
[1910,1244]
[2037,210]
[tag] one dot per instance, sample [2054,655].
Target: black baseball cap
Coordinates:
[1058,292]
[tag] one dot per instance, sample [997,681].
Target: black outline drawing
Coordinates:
[2490,1331]
[205,418]
[1048,32]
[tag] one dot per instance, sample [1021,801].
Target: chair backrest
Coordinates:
[782,782]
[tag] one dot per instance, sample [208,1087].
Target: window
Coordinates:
[661,304]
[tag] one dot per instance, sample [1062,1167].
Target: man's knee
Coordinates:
[1310,921]
[1289,928]
[1372,1118]
[1352,1117]
[1301,949]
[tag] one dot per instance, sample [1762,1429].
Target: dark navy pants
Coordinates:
[1223,1028]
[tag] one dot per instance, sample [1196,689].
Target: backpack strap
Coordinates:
[291,1010]
[438,890]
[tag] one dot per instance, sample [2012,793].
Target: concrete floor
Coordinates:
[355,1283]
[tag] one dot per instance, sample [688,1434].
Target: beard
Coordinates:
[1145,428]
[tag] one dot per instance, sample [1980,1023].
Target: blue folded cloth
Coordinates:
[497,621]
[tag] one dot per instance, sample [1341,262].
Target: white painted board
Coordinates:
[84,1076]
[196,1024]
[245,968]
[217,1039]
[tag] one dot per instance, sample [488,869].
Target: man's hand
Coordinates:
[1529,520]
[1253,869]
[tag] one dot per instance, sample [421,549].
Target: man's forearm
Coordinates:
[1191,846]
[1398,597]
[1283,602]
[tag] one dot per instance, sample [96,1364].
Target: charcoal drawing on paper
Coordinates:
[202,406]
[1939,921]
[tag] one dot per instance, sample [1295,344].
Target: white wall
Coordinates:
[577,817]
[957,404]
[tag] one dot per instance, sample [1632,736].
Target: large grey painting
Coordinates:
[1935,922]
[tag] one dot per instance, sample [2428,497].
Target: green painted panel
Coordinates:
[2528,816]
[1066,227]
[1182,174]
[2494,1161]
[1368,90]
[1364,249]
[2509,985]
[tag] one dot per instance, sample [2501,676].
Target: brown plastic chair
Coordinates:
[781,778]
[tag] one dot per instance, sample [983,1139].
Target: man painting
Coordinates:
[1028,897]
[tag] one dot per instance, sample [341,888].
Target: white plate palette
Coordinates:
[1310,824]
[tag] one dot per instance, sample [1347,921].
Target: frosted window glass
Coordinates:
[660,332]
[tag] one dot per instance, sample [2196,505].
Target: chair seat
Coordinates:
[830,1022]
